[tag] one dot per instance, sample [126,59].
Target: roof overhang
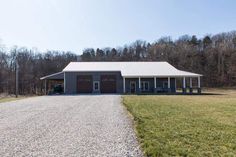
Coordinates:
[55,76]
[160,76]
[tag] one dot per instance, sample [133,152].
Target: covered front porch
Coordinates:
[158,85]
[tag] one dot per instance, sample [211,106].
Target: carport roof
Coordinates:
[55,76]
[130,69]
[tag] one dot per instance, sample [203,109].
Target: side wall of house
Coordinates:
[162,83]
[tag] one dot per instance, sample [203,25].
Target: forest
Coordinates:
[214,56]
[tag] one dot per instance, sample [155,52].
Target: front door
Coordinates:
[96,86]
[132,87]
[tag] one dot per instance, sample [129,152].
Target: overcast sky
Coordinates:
[77,24]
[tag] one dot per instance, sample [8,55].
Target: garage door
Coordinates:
[108,83]
[85,84]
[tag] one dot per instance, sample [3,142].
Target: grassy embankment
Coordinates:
[175,125]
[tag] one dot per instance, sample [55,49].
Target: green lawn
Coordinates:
[185,125]
[6,99]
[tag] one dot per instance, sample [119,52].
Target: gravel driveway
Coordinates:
[89,125]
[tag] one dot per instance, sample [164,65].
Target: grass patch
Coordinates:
[185,125]
[6,99]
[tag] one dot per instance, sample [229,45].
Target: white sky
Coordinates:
[77,24]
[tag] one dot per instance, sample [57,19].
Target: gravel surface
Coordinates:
[88,125]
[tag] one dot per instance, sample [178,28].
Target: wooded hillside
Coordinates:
[213,56]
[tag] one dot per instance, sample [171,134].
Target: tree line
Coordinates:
[214,56]
[32,66]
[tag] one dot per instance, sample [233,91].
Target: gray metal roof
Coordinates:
[130,69]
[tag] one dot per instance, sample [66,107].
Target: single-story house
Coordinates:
[123,77]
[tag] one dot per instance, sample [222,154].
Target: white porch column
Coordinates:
[64,82]
[168,82]
[139,84]
[199,82]
[184,82]
[184,85]
[155,84]
[123,84]
[169,90]
[199,85]
[190,85]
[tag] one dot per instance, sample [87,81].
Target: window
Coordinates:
[145,86]
[96,86]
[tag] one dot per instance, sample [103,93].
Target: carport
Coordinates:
[50,81]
